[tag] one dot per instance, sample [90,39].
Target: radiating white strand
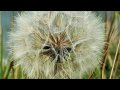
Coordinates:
[83,29]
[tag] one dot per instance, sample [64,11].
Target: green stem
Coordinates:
[12,29]
[115,59]
[9,68]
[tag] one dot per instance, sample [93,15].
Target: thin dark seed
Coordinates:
[46,47]
[58,59]
[57,68]
[68,49]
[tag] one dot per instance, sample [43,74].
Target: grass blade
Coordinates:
[114,63]
[1,47]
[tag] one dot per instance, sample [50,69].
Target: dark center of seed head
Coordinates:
[57,51]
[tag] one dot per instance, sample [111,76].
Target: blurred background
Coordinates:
[109,69]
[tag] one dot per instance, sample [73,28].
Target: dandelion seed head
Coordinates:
[57,44]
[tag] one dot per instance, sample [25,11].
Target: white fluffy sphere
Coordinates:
[57,44]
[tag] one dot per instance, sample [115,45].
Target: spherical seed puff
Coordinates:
[42,38]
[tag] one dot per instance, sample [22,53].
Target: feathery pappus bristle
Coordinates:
[57,44]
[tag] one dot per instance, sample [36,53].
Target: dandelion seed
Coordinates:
[57,44]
